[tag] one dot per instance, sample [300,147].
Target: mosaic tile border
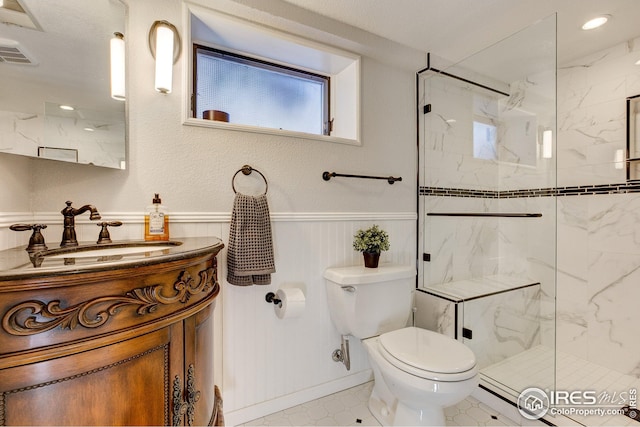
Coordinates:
[582,190]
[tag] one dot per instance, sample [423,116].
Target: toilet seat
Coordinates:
[427,354]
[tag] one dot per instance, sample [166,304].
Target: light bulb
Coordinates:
[164,58]
[118,67]
[595,22]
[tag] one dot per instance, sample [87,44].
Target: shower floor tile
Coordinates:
[349,408]
[535,368]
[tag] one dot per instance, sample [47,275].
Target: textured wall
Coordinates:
[192,167]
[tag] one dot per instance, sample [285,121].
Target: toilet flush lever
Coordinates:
[348,288]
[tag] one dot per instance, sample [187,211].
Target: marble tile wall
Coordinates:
[598,276]
[21,133]
[503,325]
[592,114]
[598,234]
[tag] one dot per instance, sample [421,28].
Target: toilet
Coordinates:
[417,373]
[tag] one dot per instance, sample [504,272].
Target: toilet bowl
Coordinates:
[417,373]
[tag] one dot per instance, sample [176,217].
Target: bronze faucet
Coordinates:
[36,241]
[69,213]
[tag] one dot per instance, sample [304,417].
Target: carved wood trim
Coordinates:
[193,395]
[145,298]
[164,347]
[188,405]
[179,407]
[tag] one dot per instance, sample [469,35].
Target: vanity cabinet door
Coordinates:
[199,355]
[127,383]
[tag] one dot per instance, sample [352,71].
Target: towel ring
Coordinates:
[246,169]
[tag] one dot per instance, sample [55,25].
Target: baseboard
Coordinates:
[241,416]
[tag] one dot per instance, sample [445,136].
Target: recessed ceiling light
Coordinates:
[595,22]
[67,107]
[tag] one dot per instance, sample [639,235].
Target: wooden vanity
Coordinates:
[119,340]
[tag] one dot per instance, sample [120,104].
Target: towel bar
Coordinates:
[390,179]
[487,214]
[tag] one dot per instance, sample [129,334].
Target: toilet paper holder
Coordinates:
[271,298]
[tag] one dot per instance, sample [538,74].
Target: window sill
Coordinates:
[268,131]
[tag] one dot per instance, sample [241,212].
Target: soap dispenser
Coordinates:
[156,221]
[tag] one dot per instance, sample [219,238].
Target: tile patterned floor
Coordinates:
[349,408]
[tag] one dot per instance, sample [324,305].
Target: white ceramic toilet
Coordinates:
[417,372]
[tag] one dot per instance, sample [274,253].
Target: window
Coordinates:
[484,140]
[259,93]
[268,81]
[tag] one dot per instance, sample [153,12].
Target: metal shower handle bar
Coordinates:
[487,214]
[390,179]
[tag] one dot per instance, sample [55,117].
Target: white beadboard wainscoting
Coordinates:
[265,364]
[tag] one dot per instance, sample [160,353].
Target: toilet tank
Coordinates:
[365,302]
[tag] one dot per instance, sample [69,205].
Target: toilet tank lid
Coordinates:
[360,275]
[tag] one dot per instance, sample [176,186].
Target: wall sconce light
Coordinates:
[165,46]
[547,144]
[117,67]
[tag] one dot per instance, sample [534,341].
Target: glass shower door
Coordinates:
[487,205]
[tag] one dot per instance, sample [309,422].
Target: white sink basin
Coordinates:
[94,254]
[92,257]
[113,251]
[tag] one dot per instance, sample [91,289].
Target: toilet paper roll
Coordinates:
[292,303]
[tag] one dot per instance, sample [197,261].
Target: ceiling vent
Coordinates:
[12,53]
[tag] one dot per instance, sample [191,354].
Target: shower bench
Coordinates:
[496,316]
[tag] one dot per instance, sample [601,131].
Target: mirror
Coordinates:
[53,53]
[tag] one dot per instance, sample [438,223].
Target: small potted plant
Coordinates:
[371,242]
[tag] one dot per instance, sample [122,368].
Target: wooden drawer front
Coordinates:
[32,319]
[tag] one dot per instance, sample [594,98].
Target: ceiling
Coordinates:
[456,29]
[450,29]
